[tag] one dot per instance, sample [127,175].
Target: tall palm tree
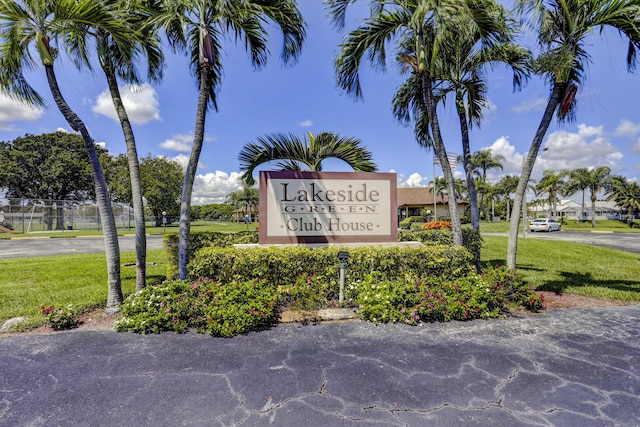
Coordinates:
[439,189]
[507,186]
[554,185]
[626,194]
[464,77]
[291,153]
[199,28]
[245,199]
[592,179]
[483,161]
[36,26]
[563,27]
[118,62]
[422,27]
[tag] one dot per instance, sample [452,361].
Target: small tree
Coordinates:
[48,167]
[161,180]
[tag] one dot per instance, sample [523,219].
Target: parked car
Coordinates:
[544,224]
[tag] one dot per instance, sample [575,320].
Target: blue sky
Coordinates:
[304,98]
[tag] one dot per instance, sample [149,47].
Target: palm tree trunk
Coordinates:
[190,174]
[427,87]
[594,196]
[468,168]
[134,173]
[112,250]
[527,167]
[471,185]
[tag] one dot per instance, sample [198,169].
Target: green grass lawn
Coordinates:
[81,280]
[28,283]
[571,267]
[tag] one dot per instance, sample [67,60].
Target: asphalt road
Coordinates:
[571,367]
[624,241]
[34,247]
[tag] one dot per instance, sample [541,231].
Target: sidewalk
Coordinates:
[572,367]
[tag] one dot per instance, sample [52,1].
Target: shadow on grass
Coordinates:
[577,280]
[500,262]
[572,279]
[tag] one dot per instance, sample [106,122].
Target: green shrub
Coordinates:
[471,239]
[202,240]
[309,292]
[406,223]
[472,297]
[219,310]
[283,265]
[60,318]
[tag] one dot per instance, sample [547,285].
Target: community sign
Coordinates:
[327,207]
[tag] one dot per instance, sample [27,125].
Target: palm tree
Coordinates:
[422,28]
[483,161]
[36,25]
[117,62]
[439,189]
[199,27]
[291,153]
[563,27]
[464,76]
[245,199]
[507,186]
[626,194]
[593,179]
[554,185]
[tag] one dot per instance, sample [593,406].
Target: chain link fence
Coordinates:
[32,216]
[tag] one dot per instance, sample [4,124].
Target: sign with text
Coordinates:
[327,207]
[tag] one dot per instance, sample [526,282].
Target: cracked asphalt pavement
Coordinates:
[570,367]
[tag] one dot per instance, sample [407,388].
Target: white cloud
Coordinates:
[636,146]
[15,111]
[214,187]
[180,143]
[627,128]
[565,150]
[183,160]
[414,180]
[305,123]
[140,101]
[536,104]
[512,160]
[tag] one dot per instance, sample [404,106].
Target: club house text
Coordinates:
[318,200]
[320,207]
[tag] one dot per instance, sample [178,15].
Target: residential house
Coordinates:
[573,210]
[413,201]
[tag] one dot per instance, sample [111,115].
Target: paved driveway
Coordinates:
[561,368]
[624,241]
[33,247]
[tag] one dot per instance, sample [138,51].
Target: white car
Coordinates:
[544,224]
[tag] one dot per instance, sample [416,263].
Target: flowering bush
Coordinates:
[60,318]
[219,310]
[433,299]
[436,225]
[309,292]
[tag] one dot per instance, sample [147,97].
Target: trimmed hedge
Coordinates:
[282,266]
[471,239]
[203,240]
